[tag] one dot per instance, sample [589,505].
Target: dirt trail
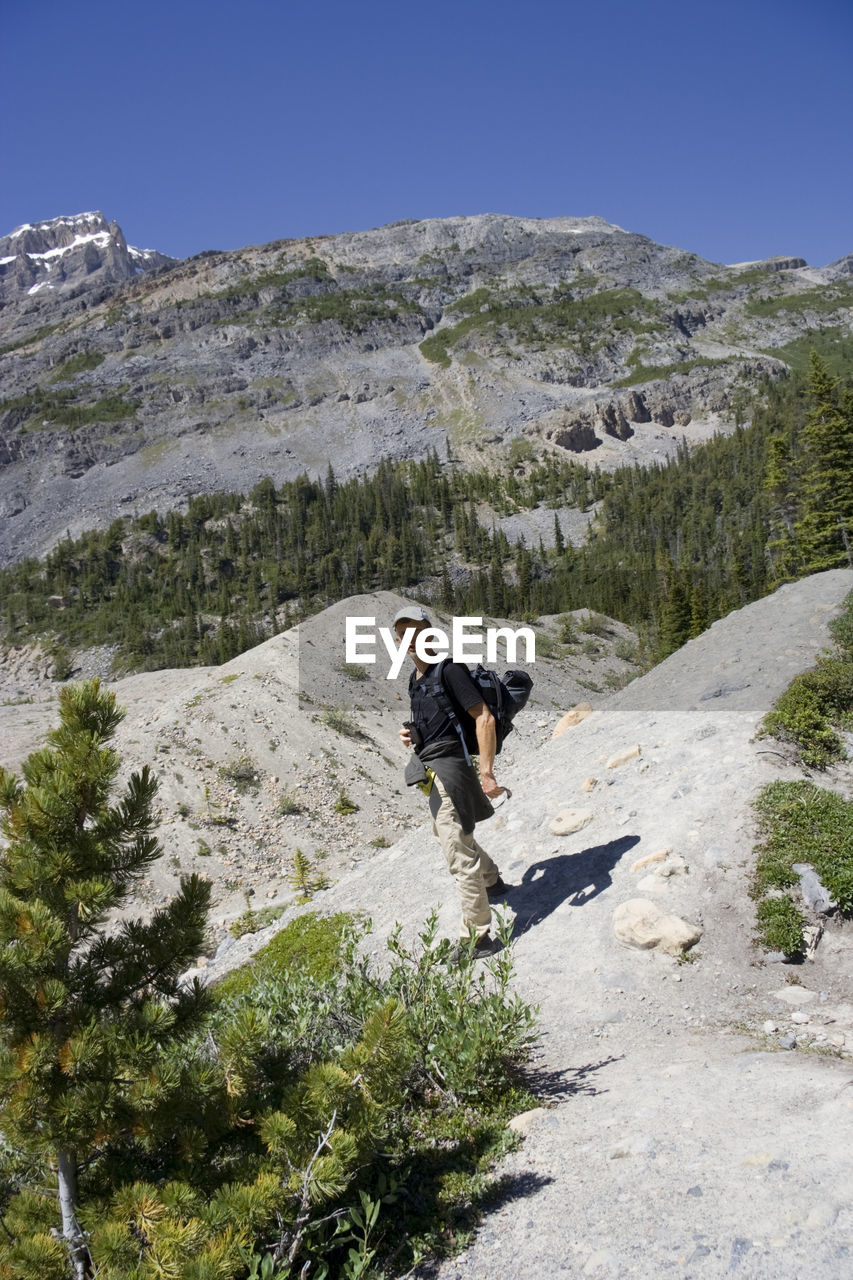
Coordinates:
[676,1137]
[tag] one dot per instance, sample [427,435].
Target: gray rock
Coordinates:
[815,894]
[788,1041]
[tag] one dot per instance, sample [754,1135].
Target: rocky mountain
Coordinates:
[130,382]
[70,255]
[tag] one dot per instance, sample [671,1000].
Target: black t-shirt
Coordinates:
[435,724]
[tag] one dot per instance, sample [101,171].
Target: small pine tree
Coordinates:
[85,1012]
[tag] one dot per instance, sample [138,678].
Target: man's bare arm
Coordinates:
[487,742]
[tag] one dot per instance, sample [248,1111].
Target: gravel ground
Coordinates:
[676,1136]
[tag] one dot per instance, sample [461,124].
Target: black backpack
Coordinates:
[504,696]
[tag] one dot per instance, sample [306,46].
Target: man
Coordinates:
[457,799]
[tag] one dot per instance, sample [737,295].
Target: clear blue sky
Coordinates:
[723,127]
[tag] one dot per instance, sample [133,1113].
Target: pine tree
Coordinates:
[85,1012]
[825,528]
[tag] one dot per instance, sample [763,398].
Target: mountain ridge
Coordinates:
[459,335]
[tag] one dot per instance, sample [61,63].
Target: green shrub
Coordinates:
[841,629]
[595,624]
[567,632]
[345,804]
[311,946]
[81,363]
[353,670]
[780,926]
[241,773]
[288,803]
[804,713]
[252,921]
[303,879]
[339,719]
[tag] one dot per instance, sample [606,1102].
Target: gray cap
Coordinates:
[411,613]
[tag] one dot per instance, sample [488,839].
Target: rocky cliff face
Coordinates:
[62,254]
[129,381]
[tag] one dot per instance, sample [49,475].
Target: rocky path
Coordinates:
[676,1136]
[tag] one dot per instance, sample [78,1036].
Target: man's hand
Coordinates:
[489,785]
[405,736]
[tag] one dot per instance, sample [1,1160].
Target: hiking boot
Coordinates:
[497,890]
[485,946]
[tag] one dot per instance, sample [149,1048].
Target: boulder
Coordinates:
[622,757]
[579,438]
[642,924]
[637,409]
[614,421]
[650,858]
[569,820]
[578,712]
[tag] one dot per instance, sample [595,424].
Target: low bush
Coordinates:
[806,711]
[241,773]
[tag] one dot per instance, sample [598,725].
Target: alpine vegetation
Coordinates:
[273,1124]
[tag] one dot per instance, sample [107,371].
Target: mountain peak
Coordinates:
[58,253]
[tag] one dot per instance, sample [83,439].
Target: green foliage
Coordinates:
[345,804]
[841,629]
[89,1009]
[288,804]
[805,712]
[780,926]
[800,822]
[68,408]
[533,318]
[826,300]
[353,671]
[339,719]
[81,363]
[241,773]
[595,625]
[833,344]
[37,336]
[311,945]
[652,373]
[252,921]
[303,878]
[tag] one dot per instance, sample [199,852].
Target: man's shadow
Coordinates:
[568,877]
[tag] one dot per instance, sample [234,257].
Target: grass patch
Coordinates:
[252,921]
[311,945]
[823,301]
[345,803]
[81,363]
[59,408]
[534,318]
[44,332]
[833,344]
[241,773]
[799,822]
[288,803]
[339,719]
[780,926]
[655,372]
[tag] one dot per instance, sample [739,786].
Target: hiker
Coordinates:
[457,798]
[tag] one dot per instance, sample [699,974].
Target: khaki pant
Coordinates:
[470,866]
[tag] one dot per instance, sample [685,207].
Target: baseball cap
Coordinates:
[411,613]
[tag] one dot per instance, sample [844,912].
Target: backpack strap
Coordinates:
[445,700]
